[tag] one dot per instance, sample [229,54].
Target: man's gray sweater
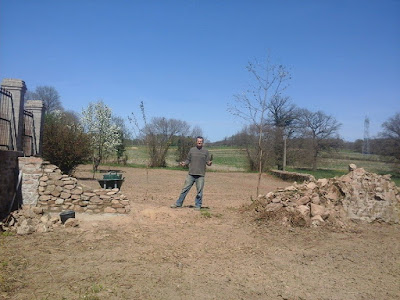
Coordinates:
[197,159]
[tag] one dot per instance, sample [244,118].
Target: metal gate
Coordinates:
[29,134]
[8,134]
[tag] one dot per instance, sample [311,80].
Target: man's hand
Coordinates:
[182,163]
[209,163]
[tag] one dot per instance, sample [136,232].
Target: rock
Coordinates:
[269,195]
[96,200]
[317,210]
[55,193]
[352,167]
[41,228]
[291,188]
[311,185]
[77,191]
[65,195]
[109,210]
[317,221]
[304,210]
[44,197]
[303,200]
[45,218]
[273,207]
[276,200]
[37,210]
[54,220]
[315,199]
[333,194]
[71,222]
[25,229]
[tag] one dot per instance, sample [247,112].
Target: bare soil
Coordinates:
[157,252]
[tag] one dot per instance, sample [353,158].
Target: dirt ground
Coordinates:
[157,252]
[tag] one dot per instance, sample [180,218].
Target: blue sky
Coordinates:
[187,59]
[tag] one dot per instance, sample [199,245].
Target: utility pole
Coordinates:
[284,152]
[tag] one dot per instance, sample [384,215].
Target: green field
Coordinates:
[231,159]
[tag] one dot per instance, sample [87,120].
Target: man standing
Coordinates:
[197,160]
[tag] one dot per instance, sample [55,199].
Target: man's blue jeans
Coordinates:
[190,180]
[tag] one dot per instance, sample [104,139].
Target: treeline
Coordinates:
[277,131]
[379,146]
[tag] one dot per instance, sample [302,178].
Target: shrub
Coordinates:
[64,142]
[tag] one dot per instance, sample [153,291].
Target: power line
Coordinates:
[366,146]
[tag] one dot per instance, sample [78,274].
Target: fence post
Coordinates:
[17,88]
[36,107]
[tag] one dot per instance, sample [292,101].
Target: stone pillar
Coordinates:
[37,109]
[17,88]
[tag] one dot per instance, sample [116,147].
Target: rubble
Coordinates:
[356,196]
[30,219]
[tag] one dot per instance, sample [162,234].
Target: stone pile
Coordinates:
[356,196]
[29,220]
[59,192]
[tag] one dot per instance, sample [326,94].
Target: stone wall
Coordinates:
[8,181]
[292,176]
[31,168]
[58,192]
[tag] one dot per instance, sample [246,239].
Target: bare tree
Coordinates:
[196,131]
[319,129]
[282,115]
[391,132]
[392,127]
[270,80]
[185,142]
[48,95]
[159,134]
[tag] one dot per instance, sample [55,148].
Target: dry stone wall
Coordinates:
[292,176]
[58,192]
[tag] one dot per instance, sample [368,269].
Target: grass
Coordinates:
[205,213]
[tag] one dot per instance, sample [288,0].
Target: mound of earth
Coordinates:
[356,196]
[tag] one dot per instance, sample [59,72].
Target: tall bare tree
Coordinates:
[318,128]
[282,115]
[269,81]
[49,95]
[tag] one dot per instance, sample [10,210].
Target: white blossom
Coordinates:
[97,121]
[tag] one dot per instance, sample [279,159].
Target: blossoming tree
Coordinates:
[98,123]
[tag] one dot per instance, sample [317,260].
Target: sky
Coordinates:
[186,59]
